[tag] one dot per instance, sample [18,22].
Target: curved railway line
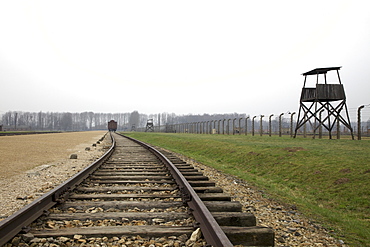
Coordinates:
[135,191]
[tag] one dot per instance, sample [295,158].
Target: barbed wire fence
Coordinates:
[281,124]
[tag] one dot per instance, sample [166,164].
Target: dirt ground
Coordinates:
[31,165]
[24,152]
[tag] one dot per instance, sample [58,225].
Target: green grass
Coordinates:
[328,180]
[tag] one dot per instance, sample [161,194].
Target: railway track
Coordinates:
[135,195]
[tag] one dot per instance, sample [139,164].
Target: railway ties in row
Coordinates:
[133,194]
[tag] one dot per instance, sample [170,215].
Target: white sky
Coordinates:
[177,56]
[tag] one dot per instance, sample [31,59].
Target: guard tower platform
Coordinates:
[322,92]
[149,126]
[322,105]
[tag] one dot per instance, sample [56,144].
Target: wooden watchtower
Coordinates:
[322,105]
[149,125]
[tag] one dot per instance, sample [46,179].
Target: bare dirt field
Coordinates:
[24,152]
[31,165]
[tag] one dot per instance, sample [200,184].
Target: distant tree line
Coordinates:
[56,121]
[67,121]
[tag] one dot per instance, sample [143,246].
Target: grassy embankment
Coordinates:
[329,180]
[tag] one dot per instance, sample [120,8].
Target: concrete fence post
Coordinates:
[261,127]
[280,123]
[240,126]
[253,125]
[291,124]
[270,124]
[359,122]
[246,125]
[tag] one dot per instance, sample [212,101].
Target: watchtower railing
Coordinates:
[323,92]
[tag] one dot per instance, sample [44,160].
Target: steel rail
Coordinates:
[211,230]
[17,222]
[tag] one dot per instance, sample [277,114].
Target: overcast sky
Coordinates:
[178,56]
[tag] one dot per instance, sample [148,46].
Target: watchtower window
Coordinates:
[308,94]
[330,92]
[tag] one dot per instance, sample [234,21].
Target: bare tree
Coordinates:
[134,119]
[66,121]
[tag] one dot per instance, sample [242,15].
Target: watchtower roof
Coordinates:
[320,71]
